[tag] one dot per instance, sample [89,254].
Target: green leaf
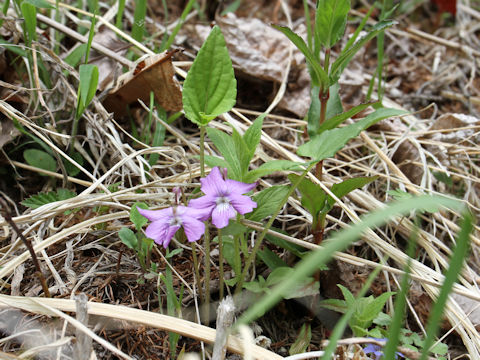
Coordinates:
[338,119]
[226,145]
[213,161]
[334,107]
[72,170]
[29,13]
[139,14]
[88,84]
[439,349]
[267,201]
[269,258]
[400,194]
[329,142]
[135,217]
[456,262]
[347,186]
[330,21]
[271,167]
[128,238]
[42,4]
[302,342]
[347,54]
[173,253]
[320,77]
[339,241]
[375,306]
[210,88]
[335,305]
[74,58]
[35,201]
[40,159]
[242,153]
[252,135]
[313,197]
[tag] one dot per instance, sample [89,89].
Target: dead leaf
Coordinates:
[108,68]
[154,73]
[406,154]
[470,307]
[264,57]
[458,129]
[8,132]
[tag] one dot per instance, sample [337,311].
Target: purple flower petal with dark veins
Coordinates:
[223,198]
[166,222]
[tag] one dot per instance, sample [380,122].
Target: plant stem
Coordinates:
[202,150]
[29,246]
[207,274]
[220,261]
[259,241]
[196,269]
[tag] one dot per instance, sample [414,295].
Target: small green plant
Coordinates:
[366,309]
[35,201]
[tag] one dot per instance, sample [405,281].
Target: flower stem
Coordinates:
[196,269]
[220,261]
[259,241]
[202,150]
[207,274]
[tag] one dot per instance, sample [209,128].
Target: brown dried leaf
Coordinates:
[406,154]
[154,73]
[108,68]
[264,57]
[459,129]
[8,132]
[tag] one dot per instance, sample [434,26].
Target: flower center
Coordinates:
[175,221]
[222,201]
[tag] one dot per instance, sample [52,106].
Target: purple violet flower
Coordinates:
[377,350]
[223,198]
[166,222]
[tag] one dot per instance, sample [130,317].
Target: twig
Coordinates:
[29,246]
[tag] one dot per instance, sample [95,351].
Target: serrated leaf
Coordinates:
[330,21]
[329,142]
[135,217]
[320,77]
[347,54]
[267,201]
[128,238]
[40,159]
[35,201]
[210,87]
[226,146]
